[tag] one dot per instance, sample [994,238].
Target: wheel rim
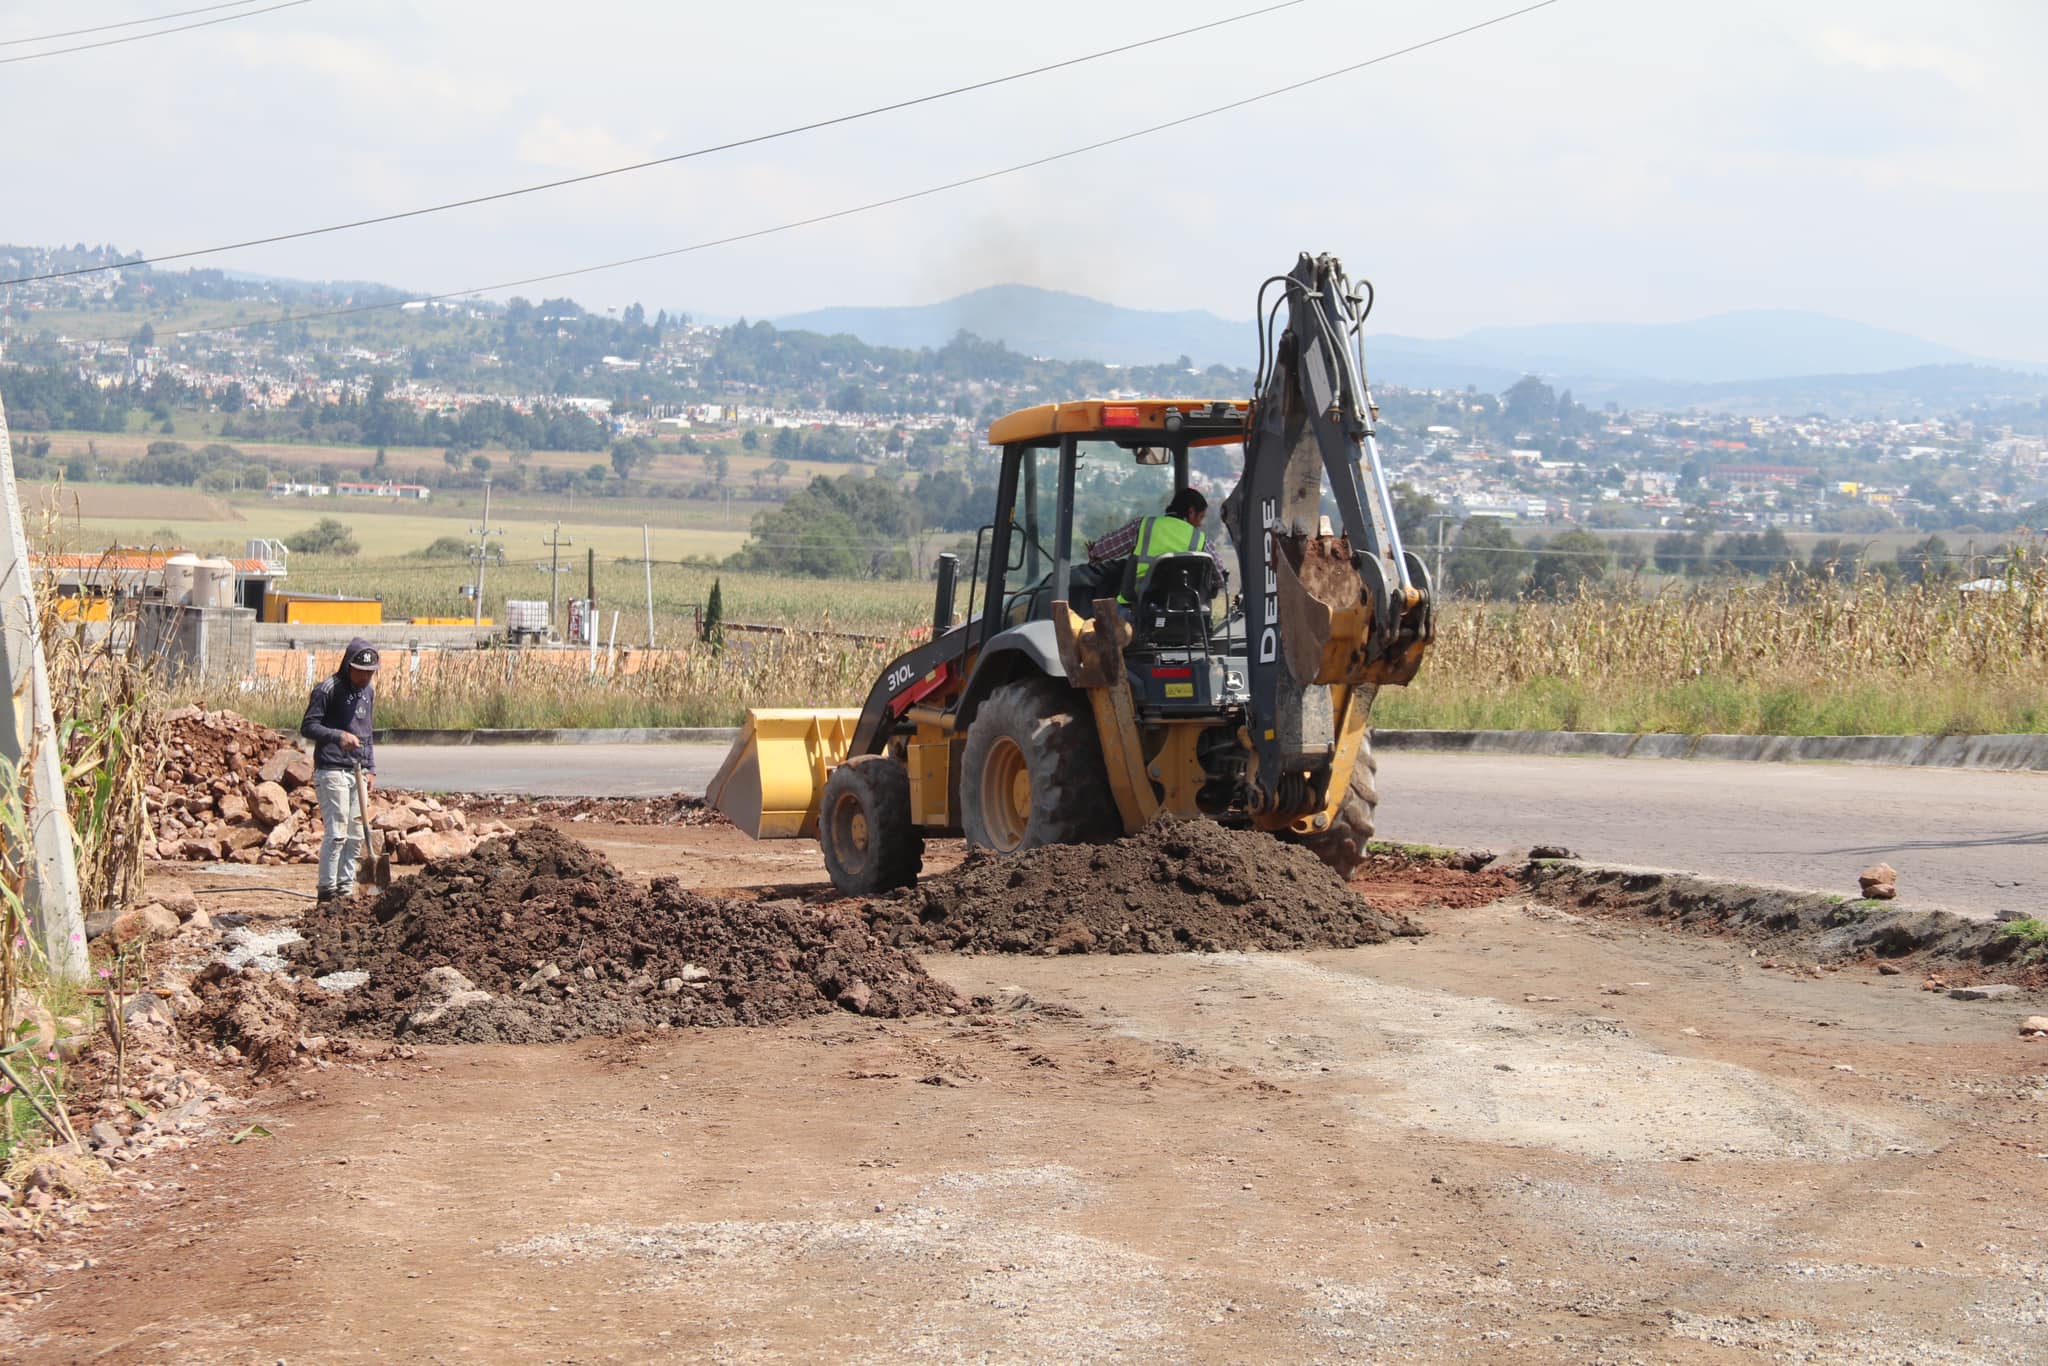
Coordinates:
[1006,794]
[850,832]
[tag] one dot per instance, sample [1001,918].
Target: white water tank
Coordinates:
[213,583]
[180,575]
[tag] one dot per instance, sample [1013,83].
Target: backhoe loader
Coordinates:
[1075,700]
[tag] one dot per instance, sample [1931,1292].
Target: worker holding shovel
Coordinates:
[340,715]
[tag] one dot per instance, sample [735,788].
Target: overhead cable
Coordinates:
[870,205]
[125,23]
[153,33]
[670,160]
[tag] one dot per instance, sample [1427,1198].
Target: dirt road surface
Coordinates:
[1973,843]
[1526,1137]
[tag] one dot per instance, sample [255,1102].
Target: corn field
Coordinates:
[694,685]
[1786,656]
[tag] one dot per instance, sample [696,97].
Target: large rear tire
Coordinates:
[864,827]
[1343,845]
[1032,771]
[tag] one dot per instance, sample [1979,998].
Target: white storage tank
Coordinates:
[180,576]
[530,618]
[213,583]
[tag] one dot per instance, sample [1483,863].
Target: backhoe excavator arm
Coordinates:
[1329,617]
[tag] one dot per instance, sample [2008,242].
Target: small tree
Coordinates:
[1562,567]
[326,537]
[1486,561]
[712,629]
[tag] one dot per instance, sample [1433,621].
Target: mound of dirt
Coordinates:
[548,941]
[1175,886]
[678,808]
[252,1011]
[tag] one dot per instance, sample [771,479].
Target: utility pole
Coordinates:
[1436,579]
[28,739]
[647,563]
[555,543]
[483,549]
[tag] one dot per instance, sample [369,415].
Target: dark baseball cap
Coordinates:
[363,657]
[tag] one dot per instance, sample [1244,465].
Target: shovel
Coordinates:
[374,868]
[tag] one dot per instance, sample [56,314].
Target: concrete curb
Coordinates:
[2009,753]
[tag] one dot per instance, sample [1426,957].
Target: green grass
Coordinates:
[1720,706]
[1431,852]
[2032,929]
[421,588]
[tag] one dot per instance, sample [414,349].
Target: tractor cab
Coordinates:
[1075,472]
[1076,476]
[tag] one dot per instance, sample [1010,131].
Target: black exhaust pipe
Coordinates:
[942,602]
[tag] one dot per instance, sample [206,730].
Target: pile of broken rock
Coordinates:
[233,790]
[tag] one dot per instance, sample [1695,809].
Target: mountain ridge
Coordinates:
[1742,347]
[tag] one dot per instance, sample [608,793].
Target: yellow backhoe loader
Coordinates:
[1079,698]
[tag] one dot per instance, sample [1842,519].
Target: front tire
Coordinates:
[1032,771]
[1344,845]
[864,827]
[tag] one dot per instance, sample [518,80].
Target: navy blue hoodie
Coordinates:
[335,706]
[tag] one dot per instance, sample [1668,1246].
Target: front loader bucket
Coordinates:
[772,778]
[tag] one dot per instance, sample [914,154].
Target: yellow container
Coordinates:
[305,609]
[83,607]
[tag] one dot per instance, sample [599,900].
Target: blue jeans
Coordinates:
[341,830]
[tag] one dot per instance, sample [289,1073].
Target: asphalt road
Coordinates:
[1971,842]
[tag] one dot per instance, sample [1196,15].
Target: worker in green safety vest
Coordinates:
[1177,531]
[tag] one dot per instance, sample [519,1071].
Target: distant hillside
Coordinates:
[1923,389]
[1751,345]
[1761,353]
[1044,322]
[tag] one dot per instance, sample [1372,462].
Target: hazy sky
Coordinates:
[1598,160]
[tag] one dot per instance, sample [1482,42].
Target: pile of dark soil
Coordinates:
[677,808]
[251,1011]
[551,942]
[1175,886]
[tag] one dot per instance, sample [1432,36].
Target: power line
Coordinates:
[753,140]
[871,205]
[139,37]
[125,23]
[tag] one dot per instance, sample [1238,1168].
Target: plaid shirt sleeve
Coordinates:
[1120,542]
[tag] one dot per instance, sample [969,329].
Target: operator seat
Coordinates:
[1172,611]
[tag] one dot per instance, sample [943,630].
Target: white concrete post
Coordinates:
[28,739]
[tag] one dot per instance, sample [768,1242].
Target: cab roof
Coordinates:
[1203,421]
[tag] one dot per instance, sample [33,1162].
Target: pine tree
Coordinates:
[712,631]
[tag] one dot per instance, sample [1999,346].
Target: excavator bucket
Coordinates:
[1331,622]
[774,775]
